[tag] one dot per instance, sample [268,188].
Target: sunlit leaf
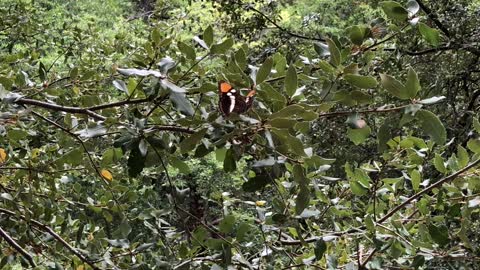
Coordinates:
[106,174]
[3,155]
[432,36]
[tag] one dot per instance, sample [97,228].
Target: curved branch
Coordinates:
[51,232]
[55,107]
[17,247]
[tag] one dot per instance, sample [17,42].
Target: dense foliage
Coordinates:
[361,150]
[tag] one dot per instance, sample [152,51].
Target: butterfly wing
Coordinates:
[232,101]
[227,98]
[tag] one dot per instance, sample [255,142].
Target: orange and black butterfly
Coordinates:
[232,101]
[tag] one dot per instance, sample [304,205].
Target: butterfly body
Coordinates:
[231,100]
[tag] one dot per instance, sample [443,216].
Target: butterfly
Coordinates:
[232,101]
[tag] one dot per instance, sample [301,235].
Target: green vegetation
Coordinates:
[361,149]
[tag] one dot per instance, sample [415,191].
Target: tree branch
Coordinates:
[375,110]
[118,104]
[55,107]
[17,247]
[50,231]
[433,17]
[428,189]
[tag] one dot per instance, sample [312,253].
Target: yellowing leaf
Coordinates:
[3,155]
[260,203]
[35,152]
[107,175]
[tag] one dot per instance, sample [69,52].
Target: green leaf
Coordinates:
[384,134]
[191,142]
[476,124]
[264,70]
[432,36]
[291,80]
[418,261]
[242,231]
[412,85]
[357,188]
[326,67]
[42,72]
[357,34]
[283,123]
[208,35]
[289,111]
[432,126]
[335,57]
[186,50]
[111,155]
[321,48]
[181,103]
[394,87]
[439,234]
[462,156]
[439,164]
[474,145]
[320,249]
[156,36]
[302,200]
[360,81]
[229,163]
[294,144]
[359,135]
[416,179]
[394,10]
[74,158]
[227,223]
[179,164]
[223,47]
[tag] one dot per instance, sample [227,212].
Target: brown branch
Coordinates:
[375,110]
[433,17]
[40,170]
[428,189]
[385,39]
[283,29]
[173,128]
[55,107]
[119,103]
[418,195]
[17,247]
[51,232]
